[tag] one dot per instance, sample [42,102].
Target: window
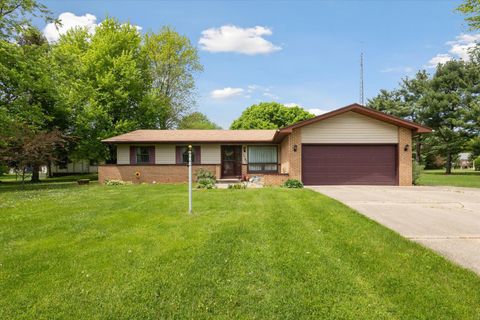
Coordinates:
[262,159]
[182,155]
[143,155]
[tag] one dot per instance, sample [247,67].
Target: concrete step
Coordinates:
[228,181]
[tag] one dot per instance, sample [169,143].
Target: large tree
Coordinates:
[197,120]
[103,79]
[28,95]
[115,81]
[450,107]
[173,62]
[270,115]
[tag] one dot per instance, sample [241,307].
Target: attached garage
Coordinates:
[341,164]
[353,145]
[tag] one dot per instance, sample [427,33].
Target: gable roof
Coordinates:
[187,136]
[364,111]
[253,136]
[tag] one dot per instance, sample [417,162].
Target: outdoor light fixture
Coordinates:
[294,148]
[406,147]
[244,149]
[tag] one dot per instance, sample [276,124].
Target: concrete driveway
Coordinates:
[445,219]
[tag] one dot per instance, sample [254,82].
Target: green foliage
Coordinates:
[471,8]
[270,115]
[450,108]
[205,179]
[115,81]
[474,147]
[197,120]
[292,184]
[173,62]
[476,163]
[117,183]
[15,16]
[3,169]
[237,186]
[448,102]
[417,170]
[405,102]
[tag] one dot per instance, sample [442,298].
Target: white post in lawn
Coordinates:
[190,179]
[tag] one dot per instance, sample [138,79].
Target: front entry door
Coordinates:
[231,161]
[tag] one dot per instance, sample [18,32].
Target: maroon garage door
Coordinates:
[349,164]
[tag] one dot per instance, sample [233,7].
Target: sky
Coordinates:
[304,53]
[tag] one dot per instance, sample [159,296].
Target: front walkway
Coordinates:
[445,219]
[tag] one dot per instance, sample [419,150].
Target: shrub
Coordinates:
[476,163]
[417,170]
[237,186]
[293,184]
[117,183]
[205,179]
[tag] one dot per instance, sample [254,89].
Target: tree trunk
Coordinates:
[35,173]
[448,165]
[49,169]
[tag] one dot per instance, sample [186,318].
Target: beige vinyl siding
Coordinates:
[75,166]
[210,153]
[123,154]
[165,154]
[350,127]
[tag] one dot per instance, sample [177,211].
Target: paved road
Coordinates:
[445,219]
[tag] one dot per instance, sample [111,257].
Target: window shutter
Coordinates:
[133,155]
[151,155]
[178,155]
[198,155]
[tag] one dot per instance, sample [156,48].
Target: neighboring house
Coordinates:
[68,166]
[464,160]
[353,145]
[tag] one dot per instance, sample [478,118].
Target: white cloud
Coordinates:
[439,58]
[226,93]
[270,95]
[397,69]
[459,49]
[231,38]
[70,20]
[462,44]
[315,111]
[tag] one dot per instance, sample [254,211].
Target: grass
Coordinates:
[11,182]
[124,252]
[458,178]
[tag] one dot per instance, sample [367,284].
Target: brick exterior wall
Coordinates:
[275,179]
[404,157]
[295,157]
[151,173]
[285,149]
[268,179]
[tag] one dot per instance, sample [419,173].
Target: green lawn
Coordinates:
[132,252]
[13,182]
[458,178]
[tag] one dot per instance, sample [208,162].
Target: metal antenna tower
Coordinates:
[362,97]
